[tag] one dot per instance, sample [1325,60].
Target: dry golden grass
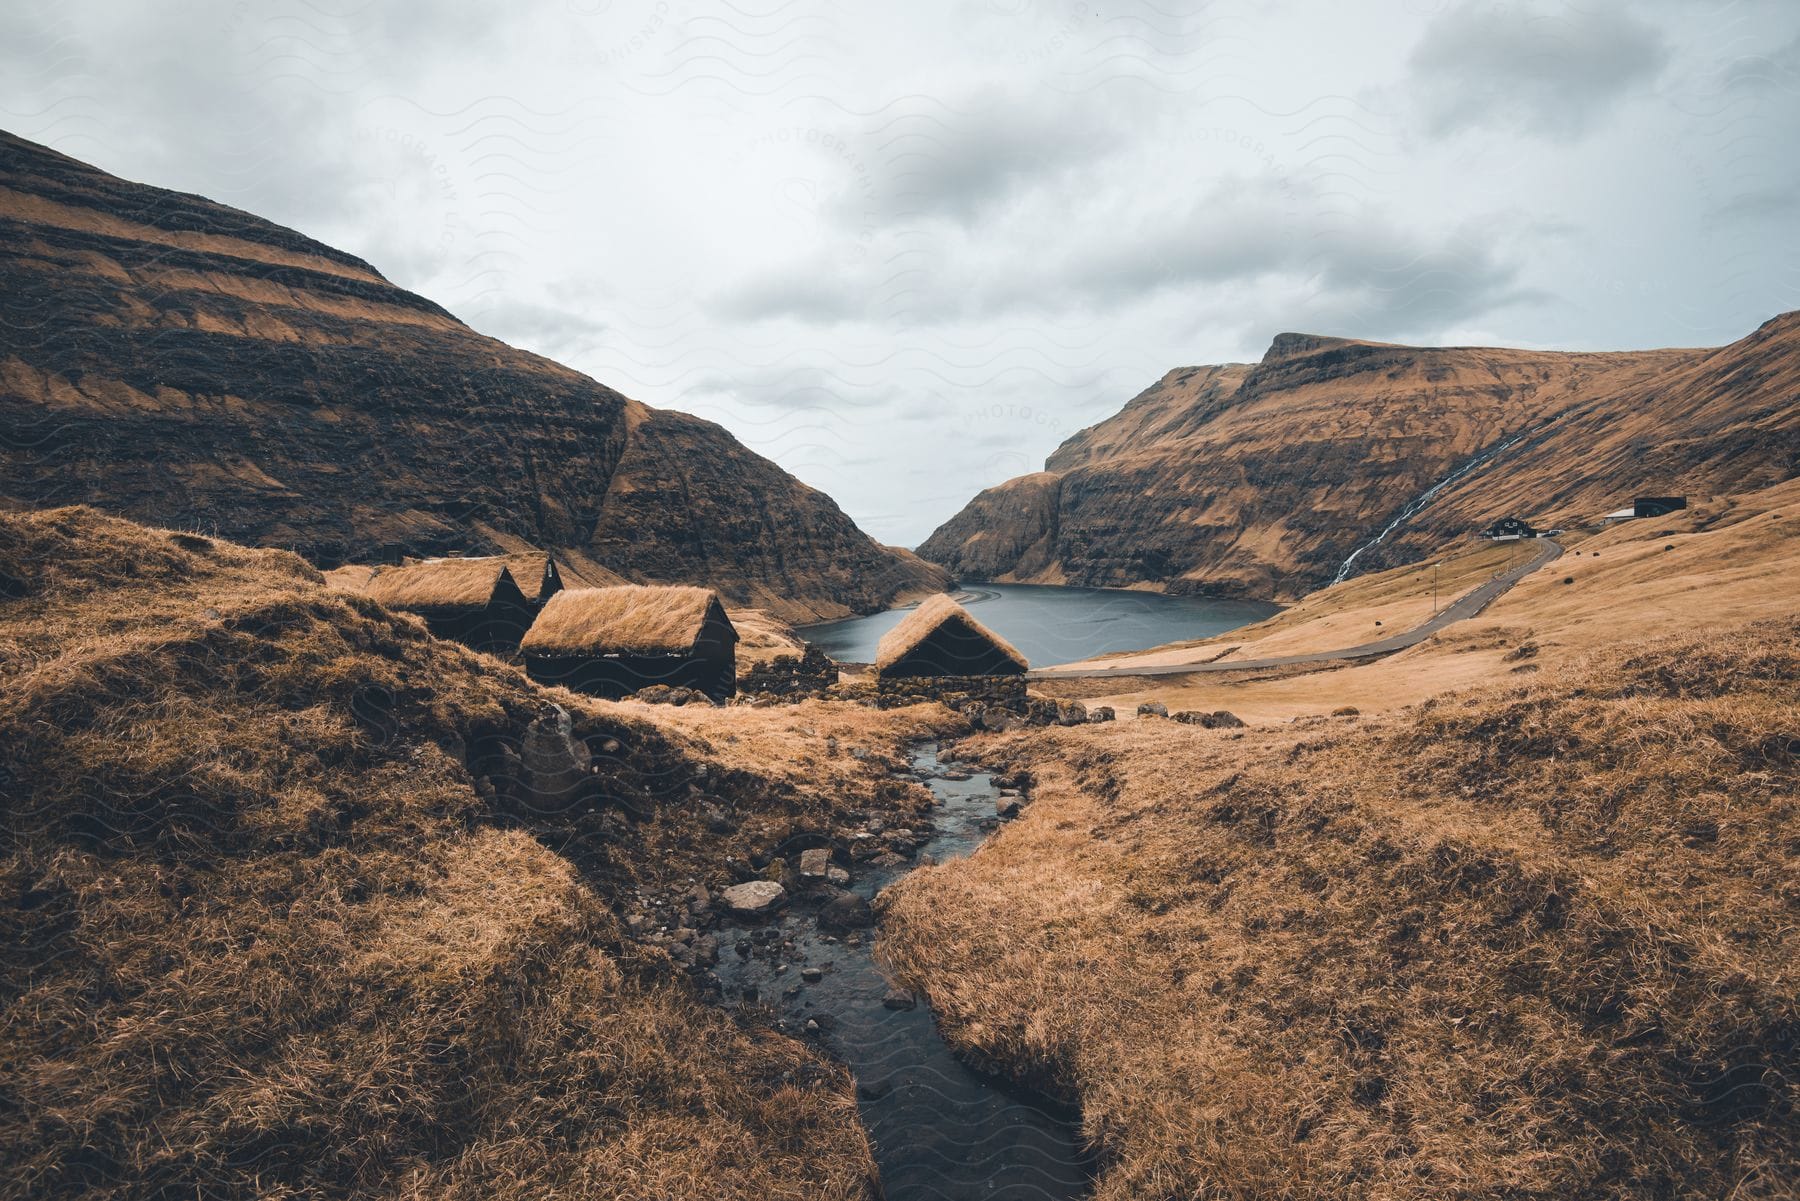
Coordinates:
[276,922]
[438,584]
[351,577]
[1724,562]
[923,621]
[645,619]
[1537,940]
[1358,610]
[762,636]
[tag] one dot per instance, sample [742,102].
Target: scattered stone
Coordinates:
[757,898]
[1219,720]
[815,863]
[812,975]
[837,877]
[899,998]
[1071,713]
[1152,709]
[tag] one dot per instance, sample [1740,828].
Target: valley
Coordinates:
[1254,827]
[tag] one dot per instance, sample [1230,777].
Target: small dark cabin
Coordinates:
[1657,506]
[610,642]
[1508,528]
[472,601]
[939,638]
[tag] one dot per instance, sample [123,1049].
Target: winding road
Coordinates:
[1461,610]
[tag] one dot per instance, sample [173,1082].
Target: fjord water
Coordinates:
[1059,625]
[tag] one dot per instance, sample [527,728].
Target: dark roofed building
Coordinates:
[940,638]
[1657,506]
[472,601]
[1509,528]
[610,642]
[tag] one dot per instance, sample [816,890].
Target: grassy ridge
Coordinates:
[282,917]
[1521,941]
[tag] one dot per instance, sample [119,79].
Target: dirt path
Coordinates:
[1467,607]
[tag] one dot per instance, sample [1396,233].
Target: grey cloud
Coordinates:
[554,332]
[1482,65]
[963,161]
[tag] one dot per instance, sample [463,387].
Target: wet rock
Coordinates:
[1008,804]
[1152,709]
[812,975]
[815,863]
[845,911]
[757,898]
[899,998]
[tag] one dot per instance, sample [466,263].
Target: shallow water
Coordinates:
[1059,625]
[940,1129]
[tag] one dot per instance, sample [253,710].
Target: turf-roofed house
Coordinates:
[472,601]
[536,574]
[611,642]
[939,649]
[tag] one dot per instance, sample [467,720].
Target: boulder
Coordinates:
[1218,720]
[555,764]
[1152,709]
[845,911]
[1071,713]
[755,898]
[815,863]
[1008,804]
[1100,713]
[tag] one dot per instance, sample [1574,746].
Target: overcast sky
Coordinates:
[905,252]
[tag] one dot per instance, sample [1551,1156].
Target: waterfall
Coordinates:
[1419,502]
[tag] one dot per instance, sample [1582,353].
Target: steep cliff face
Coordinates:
[1261,480]
[185,363]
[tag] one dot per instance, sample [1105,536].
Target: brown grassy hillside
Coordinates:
[1537,941]
[188,364]
[298,901]
[1725,560]
[1261,480]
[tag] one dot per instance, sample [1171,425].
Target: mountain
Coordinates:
[185,363]
[1260,480]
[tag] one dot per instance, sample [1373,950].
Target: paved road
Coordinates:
[1467,607]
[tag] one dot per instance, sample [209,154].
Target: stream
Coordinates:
[940,1129]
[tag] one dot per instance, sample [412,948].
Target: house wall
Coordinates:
[614,677]
[1005,691]
[496,629]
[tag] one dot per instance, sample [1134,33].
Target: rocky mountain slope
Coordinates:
[1261,479]
[182,362]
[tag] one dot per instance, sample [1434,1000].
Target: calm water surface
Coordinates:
[1059,625]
